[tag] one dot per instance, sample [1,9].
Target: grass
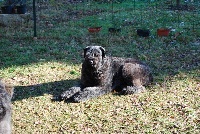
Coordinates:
[43,67]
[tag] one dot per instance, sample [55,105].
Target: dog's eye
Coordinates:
[96,55]
[87,54]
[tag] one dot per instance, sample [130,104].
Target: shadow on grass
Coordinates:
[52,88]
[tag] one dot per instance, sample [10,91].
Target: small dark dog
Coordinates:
[101,75]
[6,93]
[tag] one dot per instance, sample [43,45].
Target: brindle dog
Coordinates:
[101,74]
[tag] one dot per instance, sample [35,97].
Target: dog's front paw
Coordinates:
[86,94]
[69,93]
[82,96]
[132,90]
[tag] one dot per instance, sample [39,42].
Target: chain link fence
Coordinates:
[102,20]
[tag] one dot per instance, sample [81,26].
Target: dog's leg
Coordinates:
[132,90]
[69,93]
[89,93]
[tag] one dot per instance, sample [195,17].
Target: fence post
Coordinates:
[34,18]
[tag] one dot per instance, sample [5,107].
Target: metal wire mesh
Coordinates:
[97,19]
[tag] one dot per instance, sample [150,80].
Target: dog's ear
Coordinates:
[7,87]
[85,50]
[103,51]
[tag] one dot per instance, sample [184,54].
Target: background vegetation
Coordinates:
[43,67]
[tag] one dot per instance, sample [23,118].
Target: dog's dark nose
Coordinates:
[91,61]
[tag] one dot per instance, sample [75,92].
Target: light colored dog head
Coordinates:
[6,92]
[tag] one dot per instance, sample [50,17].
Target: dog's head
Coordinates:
[6,92]
[5,100]
[94,55]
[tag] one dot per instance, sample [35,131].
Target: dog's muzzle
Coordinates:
[91,62]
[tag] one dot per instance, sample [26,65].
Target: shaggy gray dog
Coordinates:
[101,74]
[5,108]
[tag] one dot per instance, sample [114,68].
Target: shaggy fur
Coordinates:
[6,93]
[101,75]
